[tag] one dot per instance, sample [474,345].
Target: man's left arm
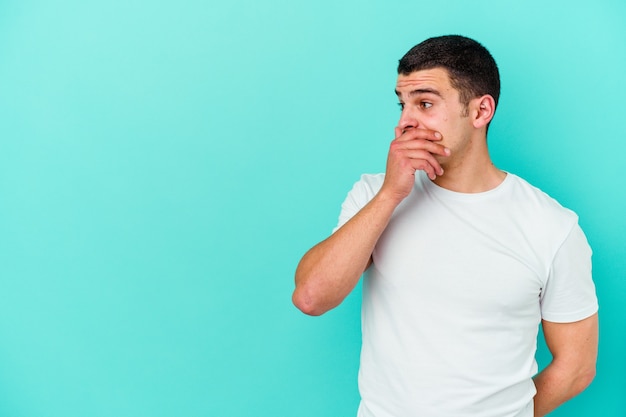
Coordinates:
[574,348]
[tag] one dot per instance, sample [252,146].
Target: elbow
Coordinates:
[584,379]
[307,303]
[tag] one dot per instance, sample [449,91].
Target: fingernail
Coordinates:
[438,135]
[447,151]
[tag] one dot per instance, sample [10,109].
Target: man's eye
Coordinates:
[401,106]
[426,104]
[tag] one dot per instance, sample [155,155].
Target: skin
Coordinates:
[446,139]
[574,348]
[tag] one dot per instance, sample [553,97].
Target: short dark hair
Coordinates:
[471,68]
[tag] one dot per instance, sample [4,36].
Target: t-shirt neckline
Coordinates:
[441,192]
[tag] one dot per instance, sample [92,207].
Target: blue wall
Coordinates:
[164,165]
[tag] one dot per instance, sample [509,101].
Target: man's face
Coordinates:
[429,101]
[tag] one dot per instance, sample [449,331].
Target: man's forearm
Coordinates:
[556,384]
[574,348]
[330,270]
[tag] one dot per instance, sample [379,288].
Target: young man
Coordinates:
[464,260]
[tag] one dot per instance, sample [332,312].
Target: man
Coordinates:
[464,260]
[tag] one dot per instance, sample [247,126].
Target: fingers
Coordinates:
[412,134]
[415,159]
[425,161]
[421,144]
[416,148]
[410,157]
[422,139]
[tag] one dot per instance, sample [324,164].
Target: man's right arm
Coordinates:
[330,270]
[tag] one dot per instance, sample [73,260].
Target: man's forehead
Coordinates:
[436,78]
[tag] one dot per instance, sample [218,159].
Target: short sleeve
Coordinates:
[361,193]
[569,294]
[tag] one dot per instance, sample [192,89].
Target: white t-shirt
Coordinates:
[458,286]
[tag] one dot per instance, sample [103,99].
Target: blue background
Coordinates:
[164,165]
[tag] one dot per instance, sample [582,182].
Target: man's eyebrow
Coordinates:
[421,91]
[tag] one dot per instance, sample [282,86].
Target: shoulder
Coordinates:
[532,198]
[372,180]
[368,185]
[539,214]
[361,193]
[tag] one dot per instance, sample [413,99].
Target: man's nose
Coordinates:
[407,121]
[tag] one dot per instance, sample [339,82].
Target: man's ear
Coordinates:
[483,109]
